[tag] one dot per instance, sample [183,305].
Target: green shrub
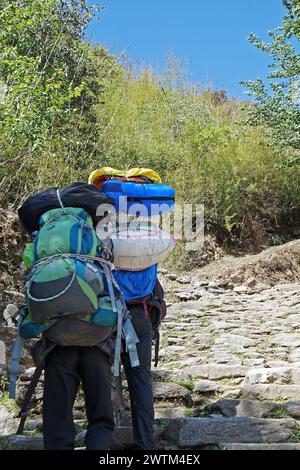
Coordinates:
[84,112]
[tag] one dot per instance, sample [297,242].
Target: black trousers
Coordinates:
[65,368]
[139,381]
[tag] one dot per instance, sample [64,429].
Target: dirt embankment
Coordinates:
[274,265]
[12,243]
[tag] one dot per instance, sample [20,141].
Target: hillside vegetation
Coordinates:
[68,107]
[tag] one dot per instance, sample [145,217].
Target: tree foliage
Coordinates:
[69,108]
[278,102]
[52,79]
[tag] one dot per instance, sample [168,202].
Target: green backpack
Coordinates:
[73,301]
[63,285]
[71,295]
[66,230]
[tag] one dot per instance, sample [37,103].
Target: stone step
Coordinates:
[122,439]
[15,442]
[165,390]
[273,375]
[185,433]
[195,432]
[169,413]
[278,446]
[250,408]
[271,392]
[217,371]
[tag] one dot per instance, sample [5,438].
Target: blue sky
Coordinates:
[211,36]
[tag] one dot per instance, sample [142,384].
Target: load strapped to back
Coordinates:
[138,244]
[82,195]
[136,190]
[71,295]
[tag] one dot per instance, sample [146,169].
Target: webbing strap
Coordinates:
[14,368]
[156,343]
[37,269]
[110,287]
[118,339]
[131,340]
[59,199]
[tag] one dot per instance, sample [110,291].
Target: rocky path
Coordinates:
[231,354]
[229,372]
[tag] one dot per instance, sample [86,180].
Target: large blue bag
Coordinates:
[155,198]
[136,284]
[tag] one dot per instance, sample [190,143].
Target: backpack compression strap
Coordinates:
[131,338]
[37,268]
[118,339]
[126,329]
[124,325]
[131,341]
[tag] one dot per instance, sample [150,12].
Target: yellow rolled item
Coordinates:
[106,170]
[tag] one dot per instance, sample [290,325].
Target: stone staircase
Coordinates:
[229,372]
